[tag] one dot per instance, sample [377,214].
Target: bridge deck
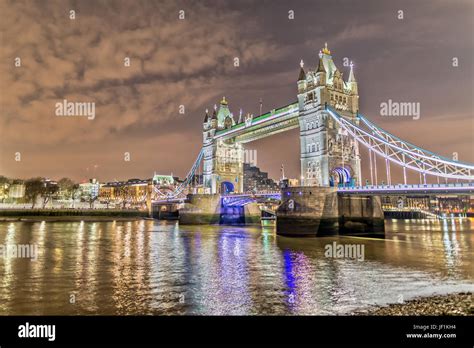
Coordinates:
[465,188]
[272,122]
[460,188]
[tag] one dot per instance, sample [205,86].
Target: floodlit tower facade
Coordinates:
[222,160]
[328,156]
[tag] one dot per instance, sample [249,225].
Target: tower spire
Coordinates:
[302,75]
[320,64]
[214,113]
[351,74]
[325,50]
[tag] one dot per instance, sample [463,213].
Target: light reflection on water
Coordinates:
[150,267]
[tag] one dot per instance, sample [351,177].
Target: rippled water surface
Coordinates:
[151,267]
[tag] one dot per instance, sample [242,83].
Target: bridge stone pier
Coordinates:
[319,211]
[164,211]
[200,209]
[209,210]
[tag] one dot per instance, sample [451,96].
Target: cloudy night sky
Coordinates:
[190,62]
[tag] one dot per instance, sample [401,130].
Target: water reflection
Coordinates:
[149,267]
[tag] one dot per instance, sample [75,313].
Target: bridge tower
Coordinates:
[223,159]
[328,156]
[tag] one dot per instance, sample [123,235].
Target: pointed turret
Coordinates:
[209,127]
[325,59]
[223,113]
[321,71]
[302,75]
[213,118]
[320,64]
[301,78]
[351,74]
[351,82]
[214,113]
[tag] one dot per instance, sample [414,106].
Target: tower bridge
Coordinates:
[331,195]
[328,155]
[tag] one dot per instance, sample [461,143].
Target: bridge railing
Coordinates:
[407,187]
[246,194]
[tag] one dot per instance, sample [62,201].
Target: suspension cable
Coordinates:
[371,169]
[404,171]
[416,156]
[375,168]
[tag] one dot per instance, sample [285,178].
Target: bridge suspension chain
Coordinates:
[187,181]
[444,166]
[403,153]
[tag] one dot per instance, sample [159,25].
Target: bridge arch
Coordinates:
[227,187]
[340,176]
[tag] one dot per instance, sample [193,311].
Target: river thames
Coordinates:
[153,267]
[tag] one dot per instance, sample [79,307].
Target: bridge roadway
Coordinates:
[417,189]
[422,189]
[233,199]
